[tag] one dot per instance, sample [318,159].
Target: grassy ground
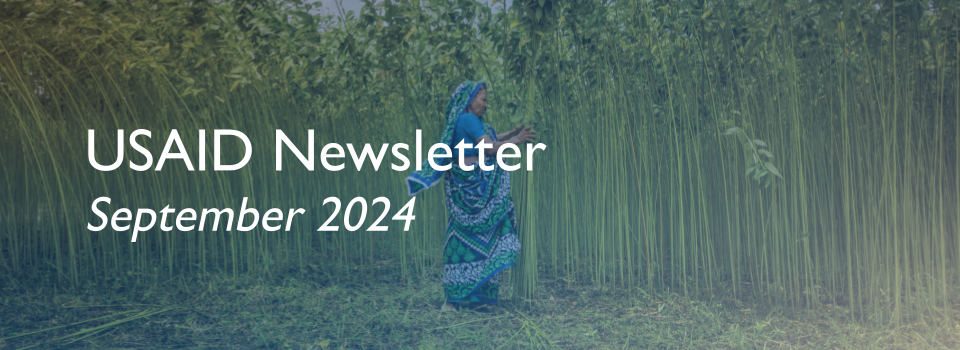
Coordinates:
[306,311]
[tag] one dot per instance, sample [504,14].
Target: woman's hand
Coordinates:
[509,134]
[525,135]
[514,132]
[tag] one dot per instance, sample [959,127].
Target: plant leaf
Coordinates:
[773,170]
[705,14]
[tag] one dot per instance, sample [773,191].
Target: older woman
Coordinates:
[481,232]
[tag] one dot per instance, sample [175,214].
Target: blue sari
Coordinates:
[481,231]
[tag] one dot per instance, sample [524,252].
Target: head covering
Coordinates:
[423,179]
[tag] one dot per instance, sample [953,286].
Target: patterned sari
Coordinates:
[481,235]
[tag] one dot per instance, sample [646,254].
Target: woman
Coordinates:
[481,232]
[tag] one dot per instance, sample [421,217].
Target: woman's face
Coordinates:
[479,103]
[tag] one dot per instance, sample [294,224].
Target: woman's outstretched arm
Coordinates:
[523,135]
[507,135]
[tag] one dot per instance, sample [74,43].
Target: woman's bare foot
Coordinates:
[448,307]
[485,308]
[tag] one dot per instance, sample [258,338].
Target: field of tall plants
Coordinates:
[793,153]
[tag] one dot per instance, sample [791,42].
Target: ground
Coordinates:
[309,311]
